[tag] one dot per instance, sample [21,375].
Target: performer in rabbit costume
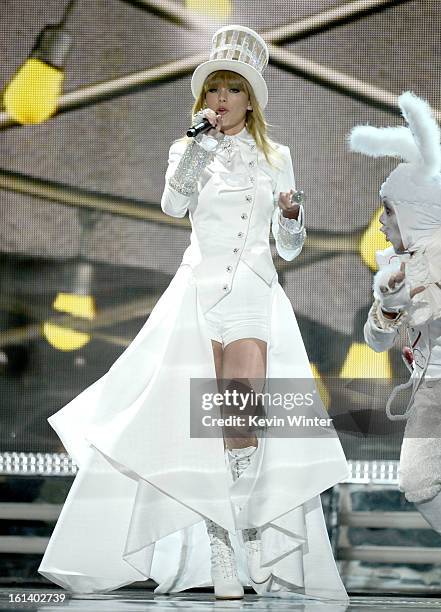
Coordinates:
[149,499]
[407,289]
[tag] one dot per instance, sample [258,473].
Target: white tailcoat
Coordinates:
[137,506]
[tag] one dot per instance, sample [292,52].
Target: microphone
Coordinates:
[199,128]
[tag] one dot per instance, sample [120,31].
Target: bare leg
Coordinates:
[218,356]
[244,359]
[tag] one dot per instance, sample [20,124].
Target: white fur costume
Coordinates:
[413,189]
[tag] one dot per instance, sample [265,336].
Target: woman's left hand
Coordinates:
[288,208]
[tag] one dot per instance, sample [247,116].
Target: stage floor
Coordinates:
[142,600]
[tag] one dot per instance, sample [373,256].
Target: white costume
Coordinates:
[414,191]
[231,213]
[144,487]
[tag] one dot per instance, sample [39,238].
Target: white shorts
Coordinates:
[242,313]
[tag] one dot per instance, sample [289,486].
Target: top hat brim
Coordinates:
[254,78]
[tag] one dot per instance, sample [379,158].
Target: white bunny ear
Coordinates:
[392,141]
[424,128]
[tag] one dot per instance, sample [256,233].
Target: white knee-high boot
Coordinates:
[223,564]
[431,510]
[240,459]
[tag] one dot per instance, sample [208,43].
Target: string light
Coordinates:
[33,93]
[63,338]
[362,362]
[219,9]
[79,302]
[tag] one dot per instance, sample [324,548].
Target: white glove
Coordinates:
[391,300]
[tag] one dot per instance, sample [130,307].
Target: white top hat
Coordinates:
[240,50]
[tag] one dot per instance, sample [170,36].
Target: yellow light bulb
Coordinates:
[65,339]
[362,362]
[33,93]
[372,240]
[220,9]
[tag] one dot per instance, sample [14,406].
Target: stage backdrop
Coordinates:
[83,240]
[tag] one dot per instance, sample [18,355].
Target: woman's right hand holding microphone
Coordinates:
[213,118]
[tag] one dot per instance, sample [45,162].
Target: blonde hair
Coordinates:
[254,120]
